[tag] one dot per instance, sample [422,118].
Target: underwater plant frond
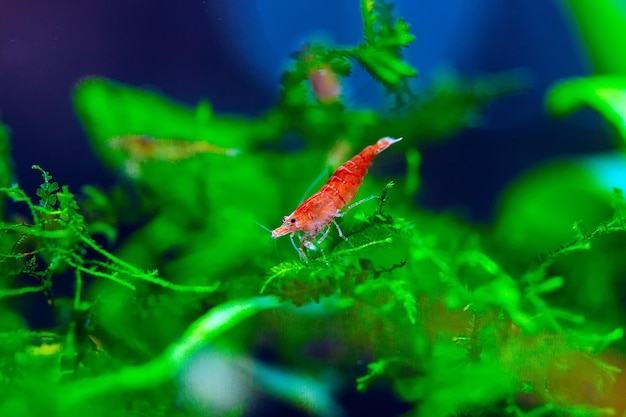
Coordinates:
[400,291]
[281,270]
[21,291]
[385,37]
[59,227]
[381,27]
[581,242]
[376,370]
[367,14]
[604,93]
[340,272]
[47,190]
[348,251]
[384,66]
[467,300]
[383,196]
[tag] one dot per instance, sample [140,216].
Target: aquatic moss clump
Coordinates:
[166,288]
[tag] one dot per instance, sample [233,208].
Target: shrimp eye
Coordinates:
[293,220]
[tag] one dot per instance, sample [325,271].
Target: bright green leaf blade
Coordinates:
[601,25]
[217,321]
[158,371]
[385,66]
[605,94]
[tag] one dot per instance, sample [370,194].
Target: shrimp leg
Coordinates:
[340,214]
[307,242]
[341,235]
[358,203]
[299,249]
[321,239]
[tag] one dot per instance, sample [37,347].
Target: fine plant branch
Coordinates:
[383,196]
[70,351]
[58,206]
[281,270]
[6,292]
[99,274]
[581,242]
[348,251]
[291,268]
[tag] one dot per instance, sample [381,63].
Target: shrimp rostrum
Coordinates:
[316,214]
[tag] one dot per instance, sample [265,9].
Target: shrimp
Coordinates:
[324,81]
[315,215]
[143,148]
[325,84]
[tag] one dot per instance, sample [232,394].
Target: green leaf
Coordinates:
[401,36]
[385,36]
[549,285]
[367,12]
[604,93]
[45,192]
[374,371]
[6,292]
[385,66]
[601,26]
[158,371]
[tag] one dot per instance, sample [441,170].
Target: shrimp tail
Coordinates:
[343,185]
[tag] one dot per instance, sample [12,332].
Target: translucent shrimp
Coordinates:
[325,83]
[144,148]
[315,215]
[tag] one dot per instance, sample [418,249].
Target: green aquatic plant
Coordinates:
[601,30]
[604,93]
[63,238]
[168,271]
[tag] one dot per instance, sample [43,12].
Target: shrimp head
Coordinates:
[290,225]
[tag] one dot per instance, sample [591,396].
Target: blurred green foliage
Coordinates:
[602,30]
[167,268]
[604,93]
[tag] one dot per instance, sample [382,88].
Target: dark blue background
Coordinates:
[232,52]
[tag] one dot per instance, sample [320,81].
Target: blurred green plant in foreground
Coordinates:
[171,317]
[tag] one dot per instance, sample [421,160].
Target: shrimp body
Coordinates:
[144,148]
[325,84]
[318,211]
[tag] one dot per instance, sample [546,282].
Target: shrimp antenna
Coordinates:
[264,227]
